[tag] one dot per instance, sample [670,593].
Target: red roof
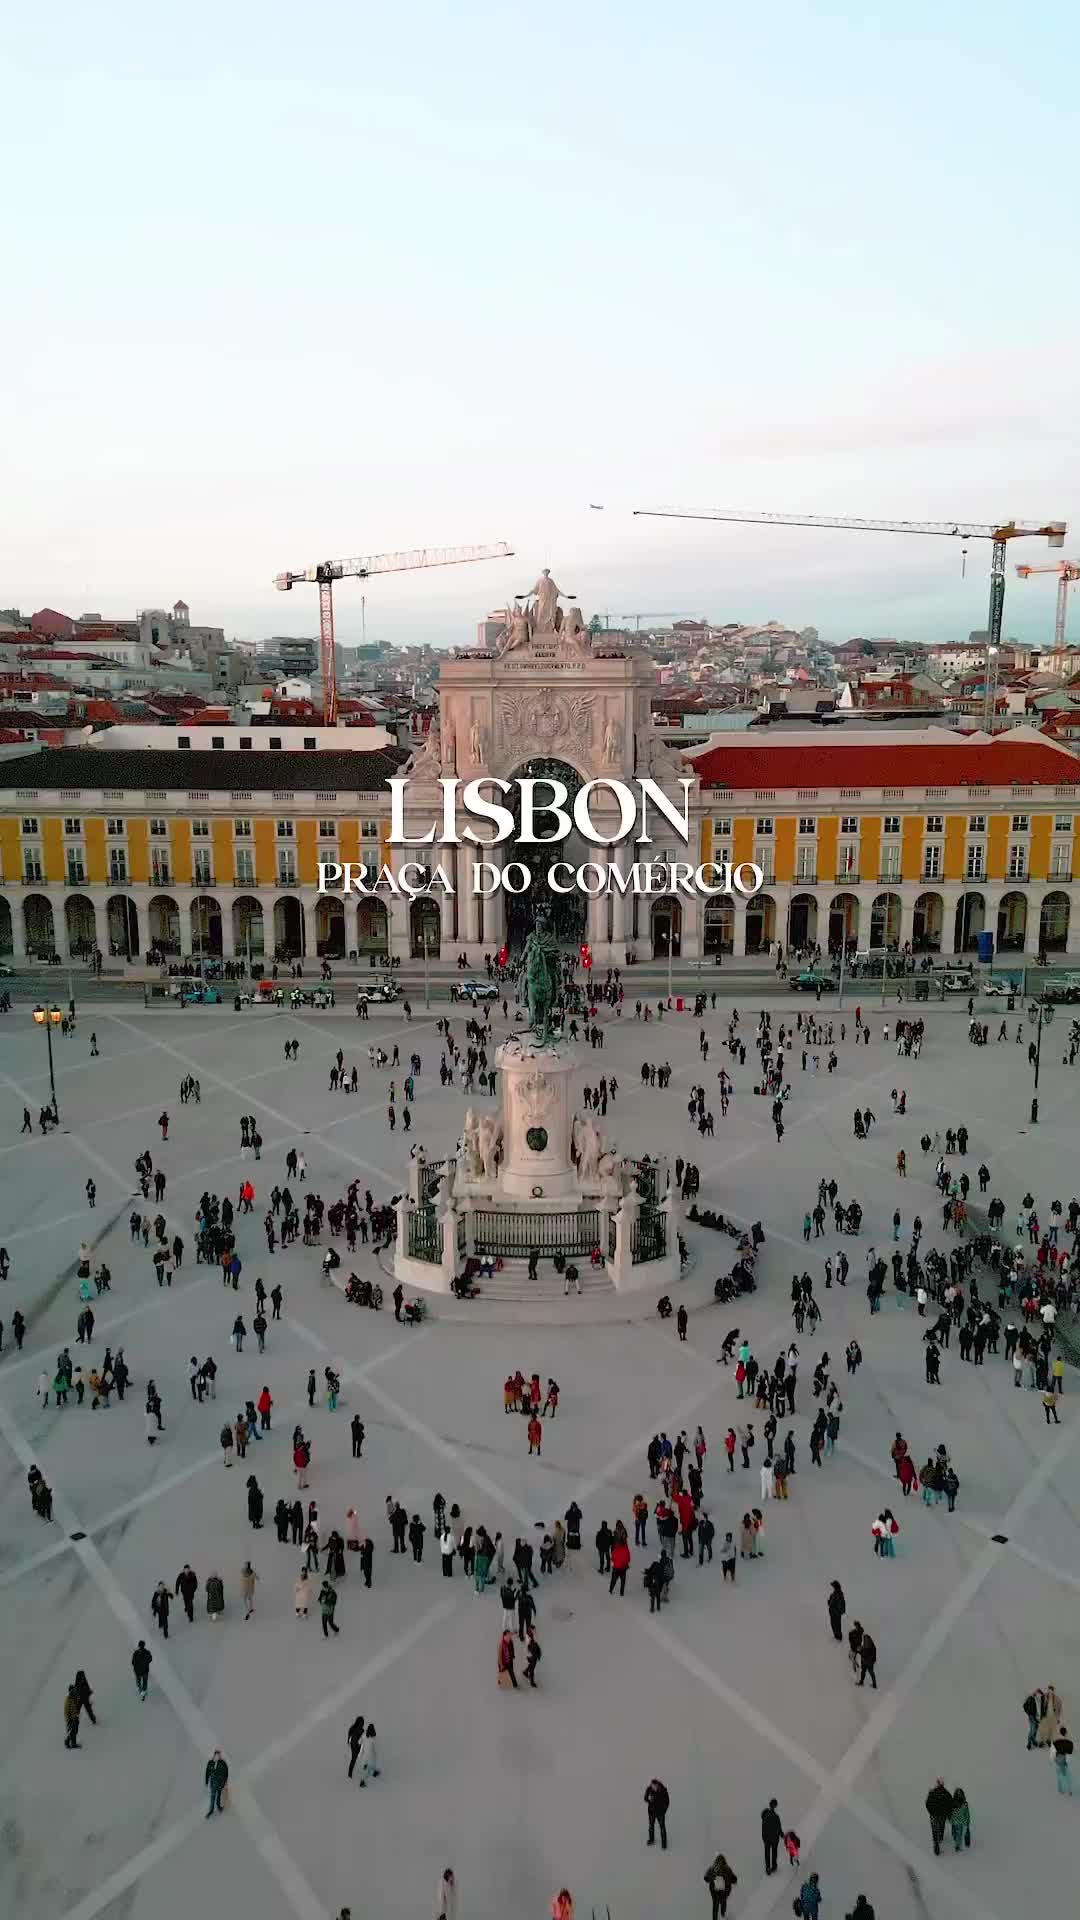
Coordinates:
[888,763]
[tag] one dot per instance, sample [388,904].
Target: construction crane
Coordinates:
[1067,571]
[1053,531]
[327,571]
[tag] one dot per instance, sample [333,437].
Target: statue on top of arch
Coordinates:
[542,616]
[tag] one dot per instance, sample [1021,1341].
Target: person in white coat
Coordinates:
[369,1758]
[446,1907]
[766,1482]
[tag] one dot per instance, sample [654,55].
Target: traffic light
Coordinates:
[586,955]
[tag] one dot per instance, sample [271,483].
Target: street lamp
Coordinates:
[50,1017]
[1042,1013]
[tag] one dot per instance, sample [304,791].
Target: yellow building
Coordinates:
[917,838]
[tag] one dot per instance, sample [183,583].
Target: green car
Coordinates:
[810,981]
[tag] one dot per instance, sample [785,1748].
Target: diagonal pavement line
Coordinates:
[365,1676]
[921,1863]
[842,1780]
[42,1355]
[132,1871]
[351,1158]
[297,1891]
[188,1825]
[985,1529]
[11,1575]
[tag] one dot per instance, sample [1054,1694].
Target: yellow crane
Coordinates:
[327,571]
[1067,571]
[1053,531]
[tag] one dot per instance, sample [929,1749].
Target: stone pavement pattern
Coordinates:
[731,1695]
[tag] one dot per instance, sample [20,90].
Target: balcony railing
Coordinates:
[805,880]
[889,879]
[1022,876]
[850,878]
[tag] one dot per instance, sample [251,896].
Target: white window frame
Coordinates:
[890,863]
[32,869]
[1021,823]
[722,828]
[1018,860]
[1063,823]
[242,829]
[808,824]
[286,829]
[975,863]
[30,824]
[73,828]
[115,828]
[931,864]
[890,823]
[764,826]
[245,866]
[159,827]
[118,867]
[977,823]
[935,823]
[200,829]
[849,823]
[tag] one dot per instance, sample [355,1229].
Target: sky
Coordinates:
[291,284]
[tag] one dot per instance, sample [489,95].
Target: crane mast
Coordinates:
[407,560]
[1067,571]
[1053,531]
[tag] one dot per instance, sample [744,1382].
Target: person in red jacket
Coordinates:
[729,1448]
[535,1395]
[620,1566]
[264,1403]
[687,1521]
[535,1433]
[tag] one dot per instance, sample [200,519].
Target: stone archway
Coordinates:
[38,926]
[205,926]
[288,928]
[568,912]
[718,927]
[249,935]
[1012,922]
[802,922]
[122,927]
[665,927]
[425,928]
[1054,916]
[372,927]
[885,921]
[843,922]
[928,922]
[969,921]
[330,940]
[760,923]
[164,924]
[80,925]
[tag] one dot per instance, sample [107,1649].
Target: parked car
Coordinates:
[191,994]
[810,980]
[959,983]
[474,990]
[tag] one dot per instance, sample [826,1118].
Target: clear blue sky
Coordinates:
[285,284]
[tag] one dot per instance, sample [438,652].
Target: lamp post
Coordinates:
[50,1017]
[427,977]
[1043,1014]
[670,952]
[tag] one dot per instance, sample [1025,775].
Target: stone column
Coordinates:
[494,909]
[311,941]
[228,942]
[907,920]
[18,925]
[738,932]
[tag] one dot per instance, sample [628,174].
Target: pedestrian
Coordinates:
[809,1903]
[939,1804]
[216,1778]
[719,1878]
[327,1607]
[71,1717]
[354,1741]
[140,1664]
[84,1694]
[960,1820]
[248,1577]
[772,1832]
[1063,1748]
[657,1802]
[837,1606]
[446,1896]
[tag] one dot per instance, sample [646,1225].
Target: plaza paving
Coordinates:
[731,1695]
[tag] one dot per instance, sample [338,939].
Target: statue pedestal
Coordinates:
[537,1117]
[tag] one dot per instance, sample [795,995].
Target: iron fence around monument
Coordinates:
[425,1235]
[512,1236]
[648,1237]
